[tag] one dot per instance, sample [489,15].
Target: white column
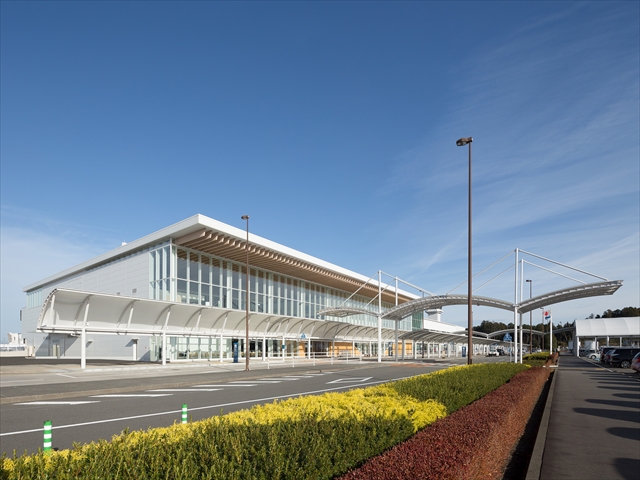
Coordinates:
[521,338]
[395,346]
[164,348]
[379,316]
[83,348]
[515,310]
[576,347]
[404,346]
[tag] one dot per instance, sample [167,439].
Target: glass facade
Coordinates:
[182,275]
[34,298]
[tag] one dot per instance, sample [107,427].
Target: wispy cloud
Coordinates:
[553,110]
[35,249]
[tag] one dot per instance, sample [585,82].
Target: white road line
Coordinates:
[278,380]
[21,381]
[173,412]
[126,395]
[244,382]
[184,390]
[63,375]
[226,385]
[350,380]
[58,403]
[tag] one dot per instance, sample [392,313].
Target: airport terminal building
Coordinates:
[184,288]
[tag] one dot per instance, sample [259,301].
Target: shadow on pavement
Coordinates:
[628,468]
[625,416]
[616,403]
[623,432]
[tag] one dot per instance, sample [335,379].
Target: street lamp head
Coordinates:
[245,217]
[529,281]
[463,141]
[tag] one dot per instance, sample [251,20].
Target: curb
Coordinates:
[535,464]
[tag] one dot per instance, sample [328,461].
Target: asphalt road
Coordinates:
[99,403]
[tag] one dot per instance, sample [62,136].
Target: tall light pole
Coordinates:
[461,143]
[248,280]
[530,282]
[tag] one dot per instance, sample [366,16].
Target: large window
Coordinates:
[206,280]
[160,273]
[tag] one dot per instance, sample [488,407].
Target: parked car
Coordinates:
[635,363]
[603,352]
[607,356]
[621,357]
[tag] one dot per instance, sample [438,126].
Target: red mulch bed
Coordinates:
[473,443]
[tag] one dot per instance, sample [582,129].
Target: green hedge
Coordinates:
[458,386]
[304,438]
[536,359]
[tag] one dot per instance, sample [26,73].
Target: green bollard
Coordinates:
[47,436]
[184,413]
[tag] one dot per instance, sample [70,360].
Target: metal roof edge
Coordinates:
[192,224]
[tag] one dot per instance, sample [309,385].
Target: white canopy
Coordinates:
[72,311]
[608,327]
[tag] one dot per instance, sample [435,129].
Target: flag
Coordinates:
[547,315]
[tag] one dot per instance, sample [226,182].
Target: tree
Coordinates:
[618,313]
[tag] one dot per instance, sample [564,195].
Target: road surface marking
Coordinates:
[185,390]
[58,403]
[350,380]
[207,407]
[125,395]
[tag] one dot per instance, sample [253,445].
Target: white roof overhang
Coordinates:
[438,301]
[612,327]
[499,333]
[434,336]
[71,311]
[571,293]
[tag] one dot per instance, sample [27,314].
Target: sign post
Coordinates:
[507,338]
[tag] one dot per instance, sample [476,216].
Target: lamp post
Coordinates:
[461,143]
[248,281]
[530,282]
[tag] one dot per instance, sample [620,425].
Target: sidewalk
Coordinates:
[594,423]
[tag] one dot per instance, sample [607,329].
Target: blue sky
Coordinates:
[333,125]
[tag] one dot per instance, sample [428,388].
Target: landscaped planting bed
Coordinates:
[316,437]
[473,443]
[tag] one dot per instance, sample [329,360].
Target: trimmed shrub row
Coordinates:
[473,443]
[308,437]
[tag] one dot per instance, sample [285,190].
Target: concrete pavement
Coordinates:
[593,429]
